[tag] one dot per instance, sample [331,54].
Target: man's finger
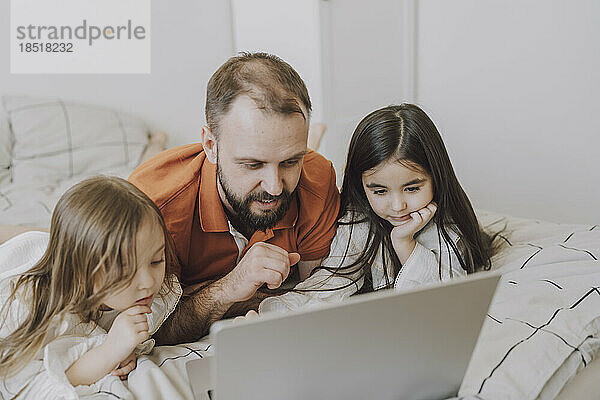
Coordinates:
[280,266]
[294,258]
[273,279]
[275,258]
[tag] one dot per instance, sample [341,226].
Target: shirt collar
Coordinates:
[210,209]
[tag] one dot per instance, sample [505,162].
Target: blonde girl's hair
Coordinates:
[91,254]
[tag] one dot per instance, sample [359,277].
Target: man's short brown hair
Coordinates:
[271,82]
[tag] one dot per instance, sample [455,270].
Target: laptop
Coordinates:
[385,345]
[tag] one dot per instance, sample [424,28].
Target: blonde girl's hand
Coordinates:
[403,235]
[129,329]
[126,366]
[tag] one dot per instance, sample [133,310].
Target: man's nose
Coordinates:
[272,181]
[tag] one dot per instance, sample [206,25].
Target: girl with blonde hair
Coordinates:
[78,305]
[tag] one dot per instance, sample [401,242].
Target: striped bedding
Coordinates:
[542,327]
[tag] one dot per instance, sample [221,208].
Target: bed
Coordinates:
[48,144]
[544,322]
[542,328]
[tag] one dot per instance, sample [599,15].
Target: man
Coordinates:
[249,202]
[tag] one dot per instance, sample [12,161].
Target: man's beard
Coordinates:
[241,206]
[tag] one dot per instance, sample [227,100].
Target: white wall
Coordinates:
[514,87]
[288,28]
[189,42]
[364,46]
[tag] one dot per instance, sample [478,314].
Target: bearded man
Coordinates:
[250,203]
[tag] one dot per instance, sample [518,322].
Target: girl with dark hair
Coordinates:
[404,218]
[79,305]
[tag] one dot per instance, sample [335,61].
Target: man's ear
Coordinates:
[209,143]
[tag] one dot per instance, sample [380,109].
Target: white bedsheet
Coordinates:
[544,322]
[543,325]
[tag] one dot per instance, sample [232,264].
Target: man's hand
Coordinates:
[403,235]
[126,366]
[129,329]
[249,315]
[204,304]
[263,263]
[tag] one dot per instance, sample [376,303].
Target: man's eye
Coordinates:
[252,165]
[412,189]
[290,163]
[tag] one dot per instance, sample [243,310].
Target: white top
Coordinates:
[240,241]
[421,267]
[67,340]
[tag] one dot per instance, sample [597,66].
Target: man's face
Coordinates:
[259,160]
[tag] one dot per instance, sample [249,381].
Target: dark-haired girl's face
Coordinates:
[394,190]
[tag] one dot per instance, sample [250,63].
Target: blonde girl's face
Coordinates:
[394,190]
[148,279]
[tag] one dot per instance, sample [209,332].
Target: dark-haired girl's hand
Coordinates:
[403,235]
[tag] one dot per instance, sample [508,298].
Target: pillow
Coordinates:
[54,140]
[156,144]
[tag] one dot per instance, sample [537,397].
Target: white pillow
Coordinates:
[56,140]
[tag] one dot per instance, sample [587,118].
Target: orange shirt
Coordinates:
[183,184]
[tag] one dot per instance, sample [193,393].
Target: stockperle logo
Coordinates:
[80,36]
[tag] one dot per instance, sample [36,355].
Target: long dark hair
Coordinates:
[404,133]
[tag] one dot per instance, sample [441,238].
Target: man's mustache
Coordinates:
[264,196]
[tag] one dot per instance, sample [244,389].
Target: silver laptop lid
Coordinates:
[386,345]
